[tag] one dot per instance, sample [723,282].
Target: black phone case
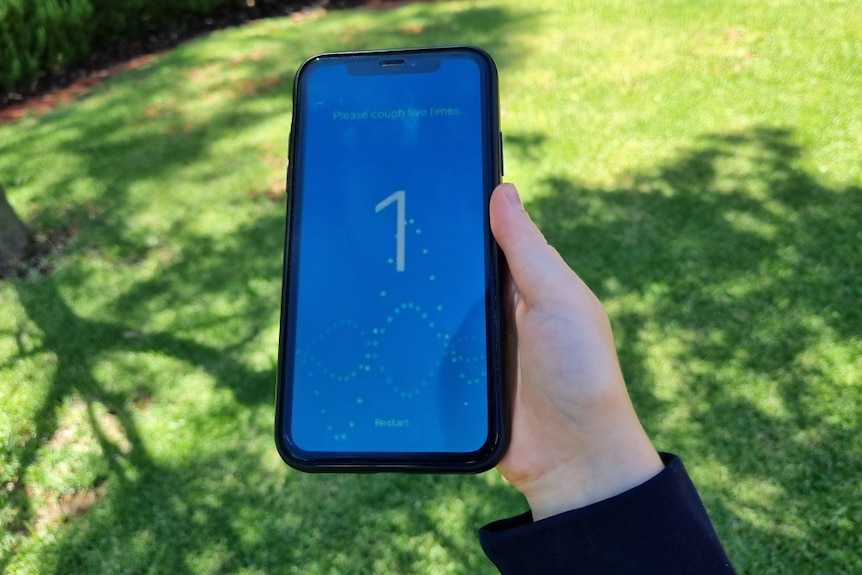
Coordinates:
[410,462]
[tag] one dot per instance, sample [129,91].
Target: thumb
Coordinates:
[537,268]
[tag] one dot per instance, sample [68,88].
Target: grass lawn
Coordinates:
[698,164]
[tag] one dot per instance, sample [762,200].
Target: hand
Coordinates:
[575,436]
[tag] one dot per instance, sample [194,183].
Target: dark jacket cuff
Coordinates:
[660,526]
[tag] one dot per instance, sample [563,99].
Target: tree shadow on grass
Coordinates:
[748,270]
[79,345]
[207,301]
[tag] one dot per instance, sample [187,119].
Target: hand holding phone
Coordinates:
[391,353]
[576,439]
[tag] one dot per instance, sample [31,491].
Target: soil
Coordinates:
[37,259]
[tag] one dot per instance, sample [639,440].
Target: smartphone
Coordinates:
[391,348]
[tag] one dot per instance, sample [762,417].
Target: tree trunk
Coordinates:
[15,238]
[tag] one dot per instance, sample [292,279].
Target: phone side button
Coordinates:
[287,170]
[501,154]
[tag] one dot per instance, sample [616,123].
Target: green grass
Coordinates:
[698,165]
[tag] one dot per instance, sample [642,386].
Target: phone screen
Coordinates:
[390,334]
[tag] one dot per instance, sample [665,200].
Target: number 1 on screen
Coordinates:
[400,199]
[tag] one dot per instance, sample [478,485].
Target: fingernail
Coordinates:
[512,195]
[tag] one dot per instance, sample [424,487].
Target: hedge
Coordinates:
[45,35]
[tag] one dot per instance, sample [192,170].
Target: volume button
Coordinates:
[501,154]
[287,170]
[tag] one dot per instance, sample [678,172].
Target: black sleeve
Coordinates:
[658,527]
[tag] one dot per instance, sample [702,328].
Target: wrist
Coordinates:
[591,478]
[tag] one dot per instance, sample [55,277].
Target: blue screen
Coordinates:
[389,258]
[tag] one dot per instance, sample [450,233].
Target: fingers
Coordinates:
[537,268]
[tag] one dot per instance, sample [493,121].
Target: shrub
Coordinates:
[40,35]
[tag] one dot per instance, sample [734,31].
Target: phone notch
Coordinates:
[408,63]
